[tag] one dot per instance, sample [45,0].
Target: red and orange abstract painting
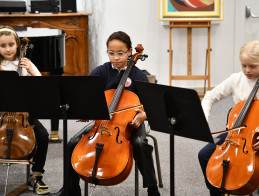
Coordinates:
[191,9]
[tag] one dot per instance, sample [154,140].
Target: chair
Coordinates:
[22,187]
[160,183]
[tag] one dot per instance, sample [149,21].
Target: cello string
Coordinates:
[119,91]
[247,104]
[242,112]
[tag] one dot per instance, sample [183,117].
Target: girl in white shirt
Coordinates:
[239,86]
[10,47]
[10,51]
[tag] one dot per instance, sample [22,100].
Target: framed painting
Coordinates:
[190,10]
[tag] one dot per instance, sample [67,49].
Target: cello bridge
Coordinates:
[232,142]
[104,129]
[11,117]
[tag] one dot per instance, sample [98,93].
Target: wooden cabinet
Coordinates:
[75,25]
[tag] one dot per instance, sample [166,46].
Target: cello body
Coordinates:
[116,159]
[241,175]
[16,133]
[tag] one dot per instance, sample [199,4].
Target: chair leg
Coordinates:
[160,183]
[136,180]
[27,173]
[6,179]
[86,189]
[19,190]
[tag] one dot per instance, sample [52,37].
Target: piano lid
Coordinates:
[48,52]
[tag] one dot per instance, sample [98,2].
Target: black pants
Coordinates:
[42,140]
[142,153]
[204,156]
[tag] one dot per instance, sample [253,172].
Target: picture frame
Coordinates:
[170,10]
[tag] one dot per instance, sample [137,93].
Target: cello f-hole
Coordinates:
[118,133]
[245,152]
[227,142]
[90,138]
[25,126]
[224,147]
[2,118]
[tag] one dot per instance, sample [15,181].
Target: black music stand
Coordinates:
[62,97]
[177,111]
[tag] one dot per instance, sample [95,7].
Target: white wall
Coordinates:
[140,20]
[251,24]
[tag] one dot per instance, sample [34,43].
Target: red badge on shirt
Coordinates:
[128,82]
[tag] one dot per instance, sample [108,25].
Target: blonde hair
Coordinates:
[251,49]
[8,31]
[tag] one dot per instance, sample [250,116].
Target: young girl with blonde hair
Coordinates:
[239,86]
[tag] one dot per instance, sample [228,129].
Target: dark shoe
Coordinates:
[153,191]
[36,184]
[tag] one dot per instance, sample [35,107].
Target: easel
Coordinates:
[177,111]
[189,25]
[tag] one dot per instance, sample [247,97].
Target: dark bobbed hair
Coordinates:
[122,36]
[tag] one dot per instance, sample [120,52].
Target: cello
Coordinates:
[234,165]
[104,156]
[17,135]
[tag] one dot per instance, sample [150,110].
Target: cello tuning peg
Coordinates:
[143,57]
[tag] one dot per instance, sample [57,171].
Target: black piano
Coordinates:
[47,48]
[47,52]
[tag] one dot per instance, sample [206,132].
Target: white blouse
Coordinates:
[237,85]
[13,65]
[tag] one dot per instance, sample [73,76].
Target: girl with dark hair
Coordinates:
[118,50]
